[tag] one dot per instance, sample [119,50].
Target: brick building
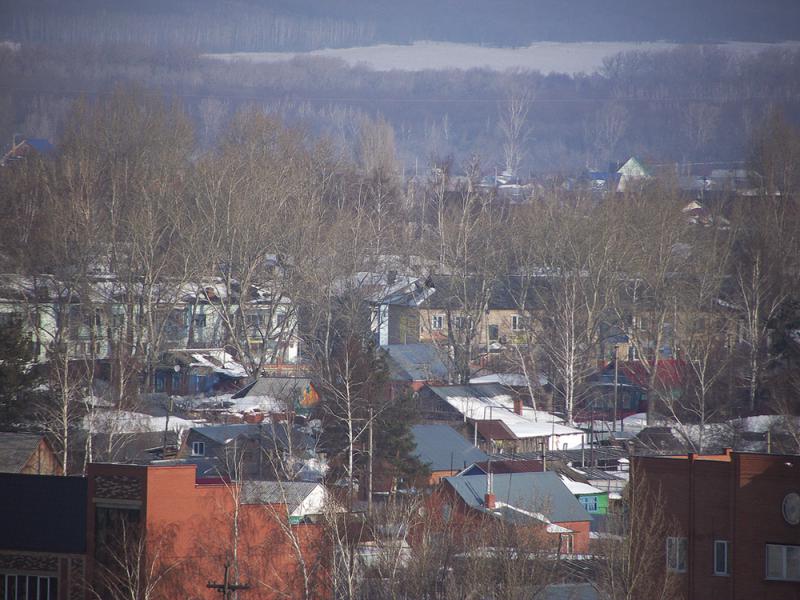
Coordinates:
[737,523]
[183,529]
[42,537]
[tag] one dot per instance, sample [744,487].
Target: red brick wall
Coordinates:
[191,528]
[737,499]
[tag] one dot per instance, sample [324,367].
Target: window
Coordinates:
[199,321]
[253,321]
[494,333]
[9,319]
[462,323]
[517,323]
[676,554]
[117,321]
[589,503]
[437,322]
[158,383]
[783,562]
[28,587]
[722,557]
[566,543]
[198,448]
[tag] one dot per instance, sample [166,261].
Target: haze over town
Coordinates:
[362,299]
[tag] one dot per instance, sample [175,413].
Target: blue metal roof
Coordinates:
[543,493]
[442,448]
[223,434]
[414,362]
[42,146]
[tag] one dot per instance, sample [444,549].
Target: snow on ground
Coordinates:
[122,421]
[265,404]
[561,57]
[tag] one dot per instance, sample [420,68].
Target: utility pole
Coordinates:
[369,478]
[616,383]
[226,588]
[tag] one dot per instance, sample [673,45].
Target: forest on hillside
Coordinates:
[690,104]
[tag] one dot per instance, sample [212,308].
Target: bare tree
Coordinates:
[466,242]
[631,552]
[655,254]
[764,273]
[703,331]
[134,565]
[514,125]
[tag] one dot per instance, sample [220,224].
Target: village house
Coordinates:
[414,365]
[497,314]
[280,394]
[255,450]
[25,147]
[536,501]
[443,450]
[594,500]
[27,453]
[103,324]
[500,420]
[197,371]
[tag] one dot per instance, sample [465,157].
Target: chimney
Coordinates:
[489,499]
[518,405]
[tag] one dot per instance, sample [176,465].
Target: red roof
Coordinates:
[670,373]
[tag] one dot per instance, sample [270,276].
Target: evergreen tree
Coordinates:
[17,374]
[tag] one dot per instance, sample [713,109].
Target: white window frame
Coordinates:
[437,322]
[41,590]
[677,549]
[784,552]
[724,547]
[517,323]
[198,448]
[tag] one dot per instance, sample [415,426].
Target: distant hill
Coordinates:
[259,25]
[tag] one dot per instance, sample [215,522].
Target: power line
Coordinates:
[226,588]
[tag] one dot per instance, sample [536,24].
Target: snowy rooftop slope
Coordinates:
[218,360]
[490,401]
[508,379]
[577,488]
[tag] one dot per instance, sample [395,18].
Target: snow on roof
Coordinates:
[508,379]
[636,421]
[577,488]
[490,401]
[218,360]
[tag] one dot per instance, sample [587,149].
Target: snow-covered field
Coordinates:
[547,57]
